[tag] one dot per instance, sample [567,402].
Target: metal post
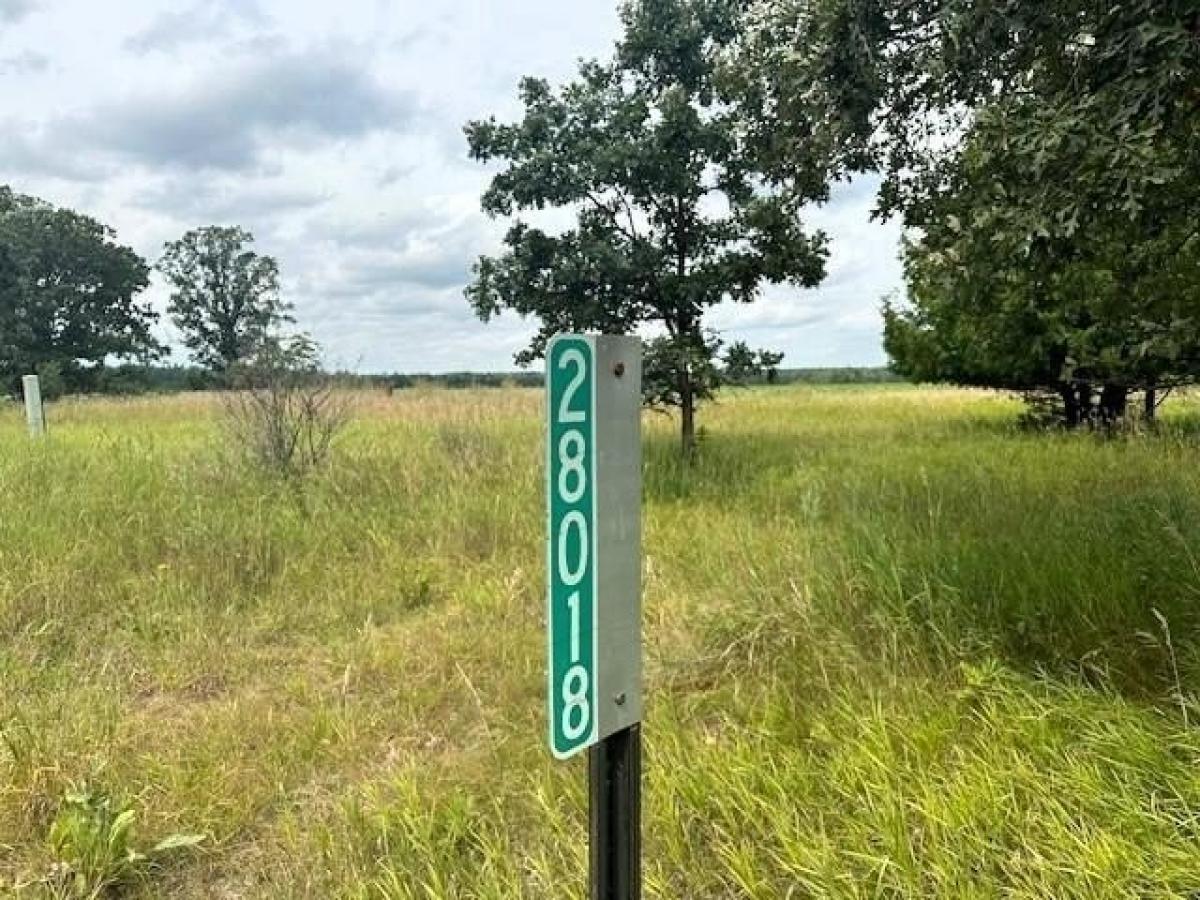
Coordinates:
[615,781]
[35,412]
[594,596]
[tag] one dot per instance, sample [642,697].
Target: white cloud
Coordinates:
[238,117]
[27,62]
[204,21]
[12,11]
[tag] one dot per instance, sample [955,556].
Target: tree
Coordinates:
[674,212]
[225,297]
[745,366]
[15,337]
[1042,154]
[68,294]
[1099,317]
[1095,103]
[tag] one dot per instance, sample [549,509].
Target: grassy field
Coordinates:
[895,648]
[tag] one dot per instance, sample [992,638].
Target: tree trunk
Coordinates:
[687,406]
[1084,400]
[1114,398]
[1077,404]
[1151,404]
[1070,406]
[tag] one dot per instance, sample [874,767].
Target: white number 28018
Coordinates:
[572,487]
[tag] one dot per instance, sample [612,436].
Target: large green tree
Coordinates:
[1044,155]
[1087,318]
[224,295]
[673,210]
[1095,104]
[68,294]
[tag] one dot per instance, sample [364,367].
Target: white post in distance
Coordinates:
[35,412]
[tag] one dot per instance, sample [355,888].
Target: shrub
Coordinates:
[285,412]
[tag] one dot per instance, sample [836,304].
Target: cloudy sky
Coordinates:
[333,131]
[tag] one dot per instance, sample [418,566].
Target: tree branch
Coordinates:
[631,233]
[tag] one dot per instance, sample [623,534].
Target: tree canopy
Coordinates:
[1088,318]
[674,211]
[1095,104]
[225,296]
[1044,155]
[68,294]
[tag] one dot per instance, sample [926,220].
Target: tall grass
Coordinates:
[895,648]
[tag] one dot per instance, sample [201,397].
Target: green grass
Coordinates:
[895,648]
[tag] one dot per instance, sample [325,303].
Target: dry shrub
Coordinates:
[286,412]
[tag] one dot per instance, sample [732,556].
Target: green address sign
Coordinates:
[572,556]
[594,486]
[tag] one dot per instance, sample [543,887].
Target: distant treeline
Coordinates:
[133,379]
[839,375]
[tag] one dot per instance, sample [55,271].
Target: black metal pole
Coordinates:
[615,781]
